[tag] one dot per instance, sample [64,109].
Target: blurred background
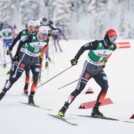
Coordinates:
[80,19]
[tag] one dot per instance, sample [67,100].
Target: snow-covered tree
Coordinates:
[62,14]
[29,9]
[125,19]
[90,17]
[97,11]
[6,10]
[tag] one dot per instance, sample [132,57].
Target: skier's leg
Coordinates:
[55,45]
[15,74]
[35,71]
[27,80]
[102,80]
[58,43]
[85,76]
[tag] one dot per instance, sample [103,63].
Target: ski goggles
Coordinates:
[44,34]
[112,38]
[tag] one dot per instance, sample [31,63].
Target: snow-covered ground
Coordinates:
[17,118]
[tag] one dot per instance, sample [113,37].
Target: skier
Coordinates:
[44,51]
[7,35]
[55,34]
[99,52]
[37,25]
[27,56]
[21,36]
[45,22]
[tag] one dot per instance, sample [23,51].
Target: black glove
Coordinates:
[46,65]
[41,59]
[49,34]
[74,62]
[15,58]
[9,51]
[103,66]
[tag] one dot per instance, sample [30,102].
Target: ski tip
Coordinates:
[63,119]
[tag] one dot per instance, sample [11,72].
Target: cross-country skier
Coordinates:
[7,36]
[45,22]
[99,51]
[27,56]
[44,51]
[55,34]
[21,36]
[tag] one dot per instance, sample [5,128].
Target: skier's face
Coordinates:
[30,29]
[36,29]
[42,36]
[113,39]
[6,25]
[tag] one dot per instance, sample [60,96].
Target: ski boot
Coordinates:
[96,112]
[2,94]
[30,99]
[62,111]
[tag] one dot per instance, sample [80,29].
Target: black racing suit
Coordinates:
[21,36]
[91,71]
[25,61]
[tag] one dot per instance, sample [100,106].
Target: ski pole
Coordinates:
[54,77]
[68,84]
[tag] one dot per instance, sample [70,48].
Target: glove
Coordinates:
[104,64]
[74,62]
[15,58]
[46,65]
[9,51]
[49,34]
[41,59]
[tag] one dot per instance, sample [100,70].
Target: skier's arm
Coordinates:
[44,49]
[27,40]
[15,40]
[88,46]
[13,44]
[53,28]
[104,64]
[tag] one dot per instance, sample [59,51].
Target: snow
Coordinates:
[23,119]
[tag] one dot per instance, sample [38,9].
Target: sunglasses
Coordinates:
[113,38]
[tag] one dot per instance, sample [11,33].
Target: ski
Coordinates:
[63,119]
[35,105]
[105,118]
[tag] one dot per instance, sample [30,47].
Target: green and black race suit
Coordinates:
[98,52]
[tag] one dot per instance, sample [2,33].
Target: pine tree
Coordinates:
[62,14]
[97,11]
[6,10]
